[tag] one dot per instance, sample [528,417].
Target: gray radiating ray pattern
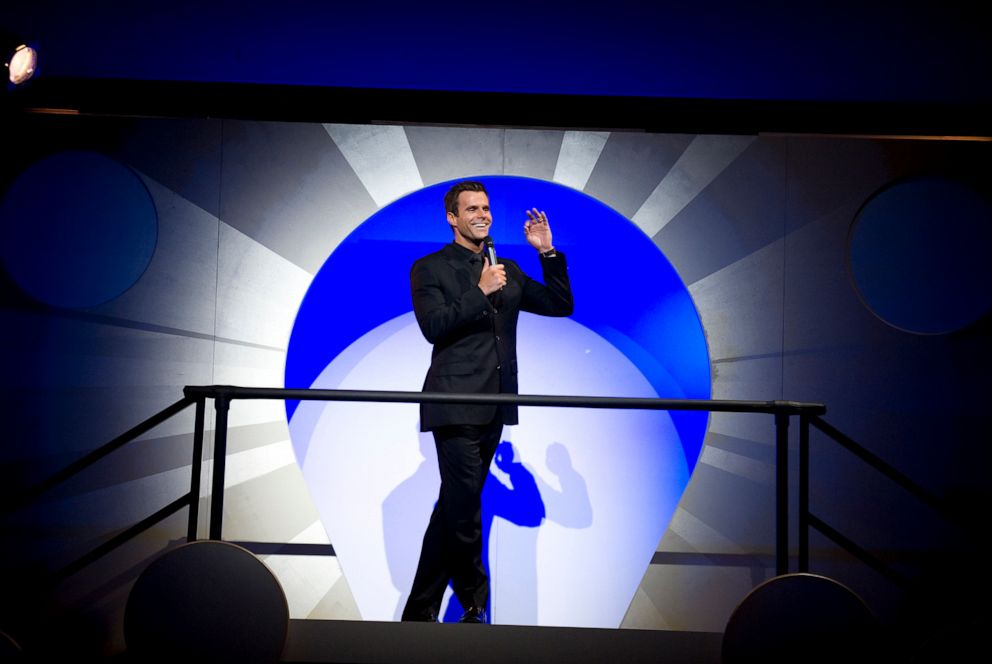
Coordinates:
[740,306]
[108,510]
[689,597]
[338,603]
[718,216]
[258,291]
[143,458]
[631,166]
[314,585]
[532,153]
[837,176]
[109,378]
[250,367]
[151,455]
[577,157]
[448,153]
[249,465]
[700,535]
[271,508]
[702,162]
[178,287]
[182,155]
[381,157]
[739,464]
[755,427]
[741,212]
[761,451]
[288,187]
[252,436]
[697,597]
[724,512]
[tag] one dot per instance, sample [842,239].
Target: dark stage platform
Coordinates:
[356,642]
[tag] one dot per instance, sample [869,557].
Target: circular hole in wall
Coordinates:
[918,253]
[77,229]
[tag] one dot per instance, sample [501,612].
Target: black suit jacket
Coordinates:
[474,336]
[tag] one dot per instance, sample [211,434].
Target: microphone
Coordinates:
[487,244]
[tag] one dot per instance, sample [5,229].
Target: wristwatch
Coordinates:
[550,253]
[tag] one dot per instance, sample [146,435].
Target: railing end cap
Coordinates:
[800,407]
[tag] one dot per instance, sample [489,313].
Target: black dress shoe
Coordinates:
[427,615]
[473,615]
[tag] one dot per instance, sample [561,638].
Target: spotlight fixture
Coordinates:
[21,63]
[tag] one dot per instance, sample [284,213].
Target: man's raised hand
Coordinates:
[537,231]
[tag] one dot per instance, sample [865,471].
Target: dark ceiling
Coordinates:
[920,55]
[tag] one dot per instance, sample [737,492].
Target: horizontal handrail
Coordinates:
[232,392]
[223,395]
[809,414]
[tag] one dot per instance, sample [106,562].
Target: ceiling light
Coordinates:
[21,64]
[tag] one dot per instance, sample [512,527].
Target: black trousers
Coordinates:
[452,547]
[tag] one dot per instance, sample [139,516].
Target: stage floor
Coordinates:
[357,642]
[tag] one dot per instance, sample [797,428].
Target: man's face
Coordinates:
[473,220]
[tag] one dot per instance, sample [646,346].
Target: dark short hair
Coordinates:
[451,198]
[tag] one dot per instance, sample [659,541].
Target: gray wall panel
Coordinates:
[532,153]
[630,167]
[695,597]
[178,288]
[836,176]
[739,509]
[737,214]
[271,508]
[455,153]
[287,186]
[182,154]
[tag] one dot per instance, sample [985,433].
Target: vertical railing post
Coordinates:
[194,484]
[221,404]
[803,492]
[781,493]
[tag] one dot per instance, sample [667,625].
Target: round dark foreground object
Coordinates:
[10,650]
[206,601]
[800,618]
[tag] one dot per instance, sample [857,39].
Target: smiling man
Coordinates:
[468,309]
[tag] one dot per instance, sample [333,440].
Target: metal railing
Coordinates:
[808,520]
[223,395]
[190,499]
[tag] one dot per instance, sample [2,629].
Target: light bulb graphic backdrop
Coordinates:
[577,499]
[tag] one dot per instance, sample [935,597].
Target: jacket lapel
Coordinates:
[467,273]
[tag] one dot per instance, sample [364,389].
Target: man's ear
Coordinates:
[452,220]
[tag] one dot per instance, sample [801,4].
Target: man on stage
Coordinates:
[468,308]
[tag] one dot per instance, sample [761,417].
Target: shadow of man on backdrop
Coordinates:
[519,503]
[523,499]
[527,502]
[568,506]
